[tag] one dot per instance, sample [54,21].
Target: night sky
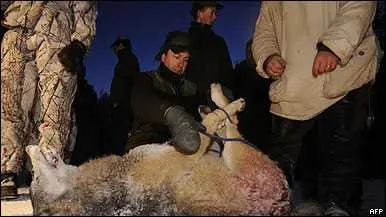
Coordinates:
[146,23]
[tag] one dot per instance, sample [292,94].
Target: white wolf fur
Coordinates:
[155,179]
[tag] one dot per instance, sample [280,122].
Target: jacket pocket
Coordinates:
[277,89]
[360,70]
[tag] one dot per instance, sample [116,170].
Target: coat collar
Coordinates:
[172,83]
[201,28]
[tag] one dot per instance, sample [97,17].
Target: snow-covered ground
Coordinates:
[20,206]
[373,198]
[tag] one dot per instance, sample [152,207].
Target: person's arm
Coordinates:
[116,87]
[239,82]
[348,29]
[150,106]
[136,65]
[125,73]
[265,42]
[146,103]
[71,56]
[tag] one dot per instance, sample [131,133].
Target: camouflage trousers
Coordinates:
[35,102]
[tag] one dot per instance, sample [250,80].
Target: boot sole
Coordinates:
[8,193]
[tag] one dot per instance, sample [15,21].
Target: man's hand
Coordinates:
[274,66]
[71,57]
[184,129]
[325,61]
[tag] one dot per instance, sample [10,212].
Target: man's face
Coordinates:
[176,62]
[207,15]
[118,48]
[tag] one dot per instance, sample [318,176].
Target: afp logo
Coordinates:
[376,212]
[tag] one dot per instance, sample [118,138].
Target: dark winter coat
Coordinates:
[152,94]
[209,60]
[85,106]
[124,74]
[254,121]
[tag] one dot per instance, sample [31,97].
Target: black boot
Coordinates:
[332,209]
[8,186]
[184,129]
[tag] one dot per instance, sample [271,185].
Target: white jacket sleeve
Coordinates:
[85,14]
[265,42]
[349,28]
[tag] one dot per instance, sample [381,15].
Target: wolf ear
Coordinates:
[204,111]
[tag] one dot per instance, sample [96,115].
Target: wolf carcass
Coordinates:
[155,179]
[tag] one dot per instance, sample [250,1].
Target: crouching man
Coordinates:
[163,102]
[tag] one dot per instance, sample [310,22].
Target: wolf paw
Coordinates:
[217,95]
[235,106]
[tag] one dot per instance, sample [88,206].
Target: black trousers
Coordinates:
[338,132]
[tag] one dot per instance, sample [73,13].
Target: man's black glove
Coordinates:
[184,129]
[71,57]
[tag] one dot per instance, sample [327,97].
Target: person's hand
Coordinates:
[184,129]
[325,61]
[71,56]
[274,66]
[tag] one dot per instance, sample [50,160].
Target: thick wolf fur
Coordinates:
[155,179]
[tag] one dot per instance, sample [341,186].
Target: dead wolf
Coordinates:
[156,179]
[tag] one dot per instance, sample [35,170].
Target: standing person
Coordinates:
[62,37]
[125,72]
[324,57]
[17,66]
[255,120]
[163,101]
[48,40]
[374,147]
[210,59]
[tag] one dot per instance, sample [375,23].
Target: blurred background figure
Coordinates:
[210,59]
[126,70]
[85,107]
[255,121]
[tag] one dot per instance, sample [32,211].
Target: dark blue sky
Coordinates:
[146,24]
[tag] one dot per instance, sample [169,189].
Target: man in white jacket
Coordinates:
[41,55]
[323,56]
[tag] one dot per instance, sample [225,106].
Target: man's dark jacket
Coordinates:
[209,60]
[153,93]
